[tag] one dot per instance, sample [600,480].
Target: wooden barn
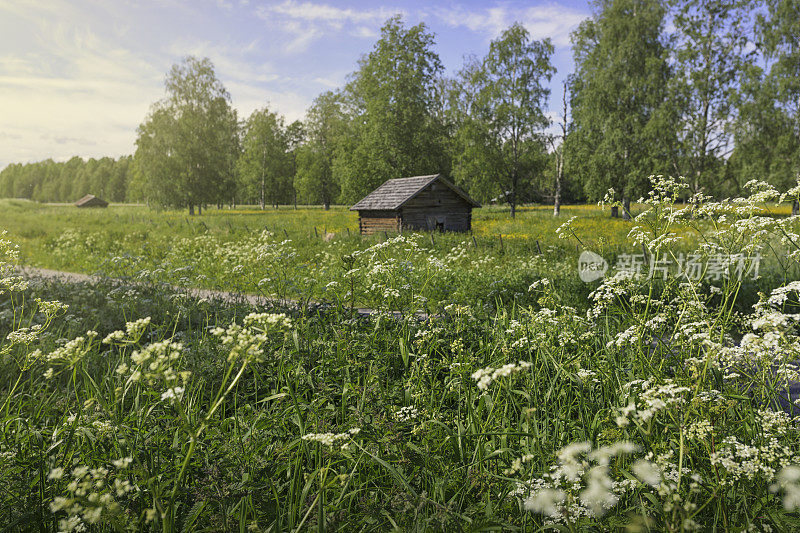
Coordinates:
[429,203]
[91,200]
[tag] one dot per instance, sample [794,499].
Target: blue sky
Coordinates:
[77,77]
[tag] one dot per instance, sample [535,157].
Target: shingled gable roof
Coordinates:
[396,192]
[91,200]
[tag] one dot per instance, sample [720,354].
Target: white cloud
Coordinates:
[549,20]
[309,11]
[68,140]
[301,37]
[82,81]
[330,83]
[552,21]
[247,98]
[364,32]
[70,90]
[10,136]
[230,62]
[490,21]
[307,22]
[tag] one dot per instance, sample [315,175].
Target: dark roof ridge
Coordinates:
[394,193]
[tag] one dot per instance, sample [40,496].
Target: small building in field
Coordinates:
[428,203]
[91,200]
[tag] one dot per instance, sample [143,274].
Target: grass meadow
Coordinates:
[299,253]
[526,400]
[305,254]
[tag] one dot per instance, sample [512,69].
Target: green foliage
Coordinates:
[203,254]
[265,165]
[393,131]
[707,101]
[621,130]
[500,142]
[710,58]
[48,181]
[768,130]
[295,139]
[780,32]
[324,127]
[767,143]
[187,147]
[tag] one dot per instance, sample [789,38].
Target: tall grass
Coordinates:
[662,408]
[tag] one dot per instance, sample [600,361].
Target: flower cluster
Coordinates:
[50,308]
[758,460]
[407,414]
[71,353]
[246,342]
[9,255]
[581,484]
[331,439]
[24,335]
[485,376]
[699,430]
[788,481]
[566,230]
[131,335]
[90,495]
[157,363]
[586,376]
[646,398]
[517,464]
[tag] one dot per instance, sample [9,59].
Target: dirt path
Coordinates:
[227,296]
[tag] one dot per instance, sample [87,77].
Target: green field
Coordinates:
[523,404]
[298,254]
[301,252]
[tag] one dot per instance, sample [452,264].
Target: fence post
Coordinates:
[315,232]
[500,236]
[474,244]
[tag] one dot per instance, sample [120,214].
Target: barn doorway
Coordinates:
[436,222]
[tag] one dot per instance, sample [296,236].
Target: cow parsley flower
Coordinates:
[788,481]
[485,376]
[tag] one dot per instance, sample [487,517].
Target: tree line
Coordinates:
[51,181]
[716,99]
